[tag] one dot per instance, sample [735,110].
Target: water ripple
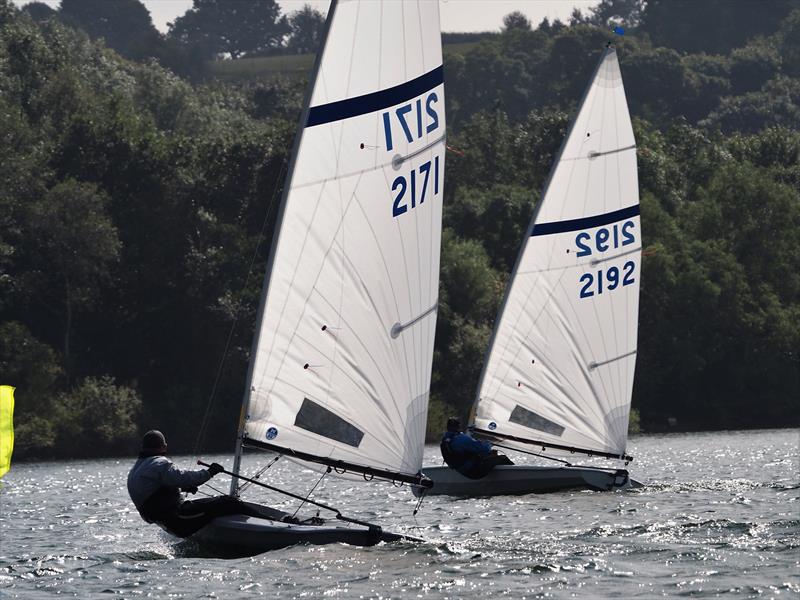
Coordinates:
[719,516]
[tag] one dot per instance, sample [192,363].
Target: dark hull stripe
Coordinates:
[361,105]
[585,222]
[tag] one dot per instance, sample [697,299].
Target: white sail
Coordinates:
[561,363]
[342,364]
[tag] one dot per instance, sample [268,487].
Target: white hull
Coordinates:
[522,479]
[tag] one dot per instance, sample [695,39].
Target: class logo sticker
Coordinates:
[272,433]
[492,425]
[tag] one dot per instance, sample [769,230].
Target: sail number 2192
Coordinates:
[610,279]
[604,239]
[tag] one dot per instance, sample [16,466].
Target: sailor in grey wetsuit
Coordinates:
[470,457]
[155,485]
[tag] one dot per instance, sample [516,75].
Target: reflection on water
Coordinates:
[719,515]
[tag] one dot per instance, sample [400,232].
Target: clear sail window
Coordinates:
[528,418]
[317,419]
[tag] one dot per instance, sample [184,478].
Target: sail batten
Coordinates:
[341,366]
[559,369]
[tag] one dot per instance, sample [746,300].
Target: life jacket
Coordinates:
[454,460]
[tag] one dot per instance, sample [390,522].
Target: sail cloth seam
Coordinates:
[603,340]
[341,370]
[375,101]
[618,347]
[585,222]
[386,474]
[394,295]
[594,407]
[410,300]
[313,288]
[295,272]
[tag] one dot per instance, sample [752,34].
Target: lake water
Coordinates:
[719,516]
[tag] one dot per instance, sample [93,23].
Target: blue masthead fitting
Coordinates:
[619,30]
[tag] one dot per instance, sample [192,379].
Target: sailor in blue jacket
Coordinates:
[470,457]
[155,485]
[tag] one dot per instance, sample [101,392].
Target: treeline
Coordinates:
[210,29]
[132,203]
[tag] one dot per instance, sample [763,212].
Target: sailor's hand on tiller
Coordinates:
[215,469]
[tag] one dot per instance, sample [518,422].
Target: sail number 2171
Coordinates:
[411,190]
[415,119]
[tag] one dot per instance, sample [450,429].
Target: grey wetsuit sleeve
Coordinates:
[172,476]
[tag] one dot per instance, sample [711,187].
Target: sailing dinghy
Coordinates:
[558,375]
[340,368]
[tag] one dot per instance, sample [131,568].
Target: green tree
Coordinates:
[516,21]
[39,11]
[752,66]
[777,104]
[124,24]
[498,217]
[789,43]
[307,25]
[32,367]
[712,26]
[612,12]
[98,417]
[71,236]
[236,27]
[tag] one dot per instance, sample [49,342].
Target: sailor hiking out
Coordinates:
[470,457]
[155,485]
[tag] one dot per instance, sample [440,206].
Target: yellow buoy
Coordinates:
[6,427]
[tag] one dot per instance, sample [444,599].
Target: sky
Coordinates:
[456,15]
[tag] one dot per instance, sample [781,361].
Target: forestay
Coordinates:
[342,363]
[561,363]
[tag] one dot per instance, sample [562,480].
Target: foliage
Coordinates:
[235,27]
[32,367]
[713,26]
[132,202]
[98,417]
[516,20]
[124,24]
[306,26]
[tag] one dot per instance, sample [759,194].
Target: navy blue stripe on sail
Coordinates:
[585,222]
[361,105]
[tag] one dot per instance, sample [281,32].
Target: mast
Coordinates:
[237,457]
